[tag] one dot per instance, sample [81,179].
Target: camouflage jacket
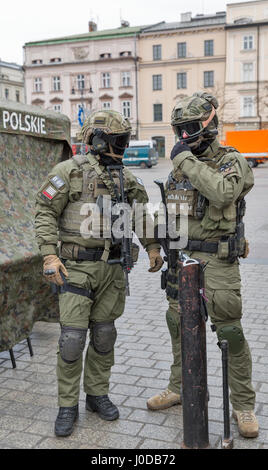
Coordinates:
[58,202]
[222,176]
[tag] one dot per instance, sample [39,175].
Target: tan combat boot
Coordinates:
[164,400]
[247,423]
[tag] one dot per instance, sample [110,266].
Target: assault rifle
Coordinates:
[125,259]
[170,254]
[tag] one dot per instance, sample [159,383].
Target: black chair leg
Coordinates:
[12,357]
[30,346]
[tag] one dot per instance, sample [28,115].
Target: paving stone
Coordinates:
[21,440]
[127,390]
[147,416]
[113,440]
[23,410]
[156,444]
[59,443]
[124,378]
[14,423]
[162,433]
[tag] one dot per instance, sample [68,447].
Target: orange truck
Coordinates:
[253,145]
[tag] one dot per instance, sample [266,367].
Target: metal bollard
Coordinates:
[194,356]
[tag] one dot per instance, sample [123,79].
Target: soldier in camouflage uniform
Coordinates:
[94,295]
[213,180]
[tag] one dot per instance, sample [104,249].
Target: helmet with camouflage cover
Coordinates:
[107,131]
[194,117]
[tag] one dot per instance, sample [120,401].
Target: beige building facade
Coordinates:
[246,81]
[177,59]
[11,82]
[96,70]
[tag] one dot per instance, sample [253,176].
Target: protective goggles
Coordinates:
[119,141]
[188,130]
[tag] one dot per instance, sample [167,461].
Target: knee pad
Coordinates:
[234,335]
[71,343]
[102,336]
[173,323]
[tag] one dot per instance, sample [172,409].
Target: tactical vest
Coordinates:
[87,183]
[180,191]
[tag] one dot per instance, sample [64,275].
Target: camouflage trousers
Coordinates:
[107,283]
[223,285]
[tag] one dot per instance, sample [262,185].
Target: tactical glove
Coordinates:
[179,147]
[51,269]
[156,261]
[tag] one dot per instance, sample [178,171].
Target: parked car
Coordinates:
[141,153]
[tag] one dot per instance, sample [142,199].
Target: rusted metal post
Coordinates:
[194,356]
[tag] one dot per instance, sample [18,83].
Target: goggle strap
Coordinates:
[211,116]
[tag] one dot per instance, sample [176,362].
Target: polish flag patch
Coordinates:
[49,192]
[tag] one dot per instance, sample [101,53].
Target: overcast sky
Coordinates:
[22,21]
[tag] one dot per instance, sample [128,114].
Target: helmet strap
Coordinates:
[112,154]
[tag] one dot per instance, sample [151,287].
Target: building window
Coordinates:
[37,61]
[125,53]
[126,109]
[56,83]
[106,80]
[158,112]
[38,84]
[81,82]
[248,106]
[105,55]
[17,96]
[57,108]
[6,93]
[182,80]
[157,82]
[157,52]
[208,79]
[209,47]
[248,42]
[248,72]
[55,59]
[160,145]
[106,104]
[126,79]
[181,48]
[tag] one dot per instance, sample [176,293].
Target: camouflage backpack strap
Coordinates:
[102,175]
[80,160]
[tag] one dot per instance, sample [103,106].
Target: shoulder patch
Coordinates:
[139,180]
[57,182]
[48,193]
[227,168]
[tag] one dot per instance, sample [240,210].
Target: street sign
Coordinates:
[81,116]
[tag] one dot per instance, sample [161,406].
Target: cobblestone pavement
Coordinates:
[28,394]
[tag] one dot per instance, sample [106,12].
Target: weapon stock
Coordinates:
[125,259]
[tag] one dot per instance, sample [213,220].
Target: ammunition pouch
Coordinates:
[230,248]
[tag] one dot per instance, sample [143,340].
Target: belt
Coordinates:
[88,254]
[199,245]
